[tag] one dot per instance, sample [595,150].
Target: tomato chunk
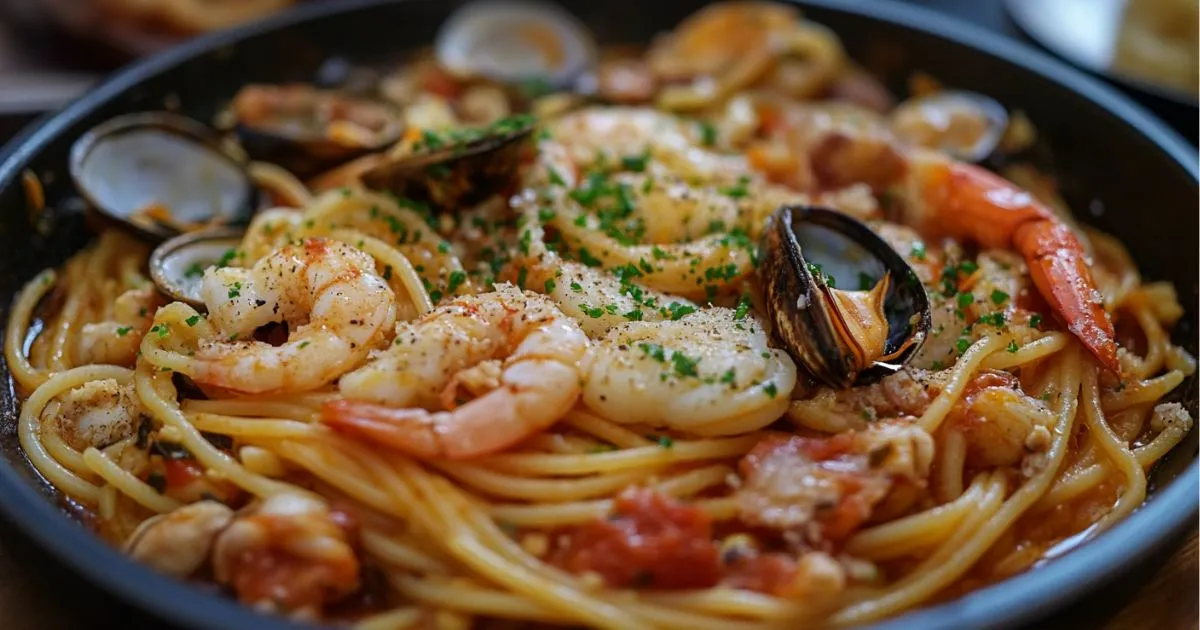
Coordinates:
[651,541]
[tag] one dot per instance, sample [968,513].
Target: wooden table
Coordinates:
[39,593]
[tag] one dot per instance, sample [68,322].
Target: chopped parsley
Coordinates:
[677,311]
[549,285]
[1012,346]
[729,376]
[962,344]
[194,270]
[917,251]
[999,297]
[1035,320]
[708,133]
[124,330]
[161,330]
[771,389]
[193,320]
[636,163]
[738,190]
[743,308]
[684,365]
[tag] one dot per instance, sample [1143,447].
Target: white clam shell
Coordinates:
[516,40]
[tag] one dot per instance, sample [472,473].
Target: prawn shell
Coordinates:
[804,313]
[458,176]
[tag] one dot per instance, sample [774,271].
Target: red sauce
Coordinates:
[651,541]
[834,484]
[771,573]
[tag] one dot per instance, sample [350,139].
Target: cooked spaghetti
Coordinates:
[567,404]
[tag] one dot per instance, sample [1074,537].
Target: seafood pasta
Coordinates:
[711,335]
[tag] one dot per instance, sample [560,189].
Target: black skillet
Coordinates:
[1123,170]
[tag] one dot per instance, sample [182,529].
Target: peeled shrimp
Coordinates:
[326,291]
[709,373]
[515,349]
[598,300]
[96,414]
[116,341]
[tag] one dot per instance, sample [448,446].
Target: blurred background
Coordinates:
[52,50]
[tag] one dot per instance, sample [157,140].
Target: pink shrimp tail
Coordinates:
[408,430]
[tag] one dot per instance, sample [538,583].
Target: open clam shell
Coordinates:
[307,130]
[177,266]
[161,174]
[966,125]
[846,306]
[456,169]
[516,41]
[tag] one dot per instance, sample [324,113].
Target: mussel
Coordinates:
[457,168]
[161,174]
[177,266]
[512,41]
[966,125]
[307,130]
[846,306]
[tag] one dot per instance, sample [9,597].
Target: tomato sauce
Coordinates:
[650,541]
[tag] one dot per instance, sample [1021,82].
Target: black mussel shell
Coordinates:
[457,169]
[291,125]
[160,174]
[807,253]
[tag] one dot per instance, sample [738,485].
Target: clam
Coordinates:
[161,174]
[457,168]
[177,266]
[516,41]
[966,125]
[846,306]
[307,130]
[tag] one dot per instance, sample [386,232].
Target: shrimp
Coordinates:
[116,341]
[95,414]
[943,197]
[516,344]
[579,291]
[824,489]
[329,295]
[291,552]
[708,373]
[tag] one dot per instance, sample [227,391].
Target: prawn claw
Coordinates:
[1058,267]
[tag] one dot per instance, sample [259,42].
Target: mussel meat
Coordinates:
[516,41]
[847,336]
[457,168]
[966,125]
[161,174]
[308,130]
[177,266]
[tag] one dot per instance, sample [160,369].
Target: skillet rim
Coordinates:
[1160,521]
